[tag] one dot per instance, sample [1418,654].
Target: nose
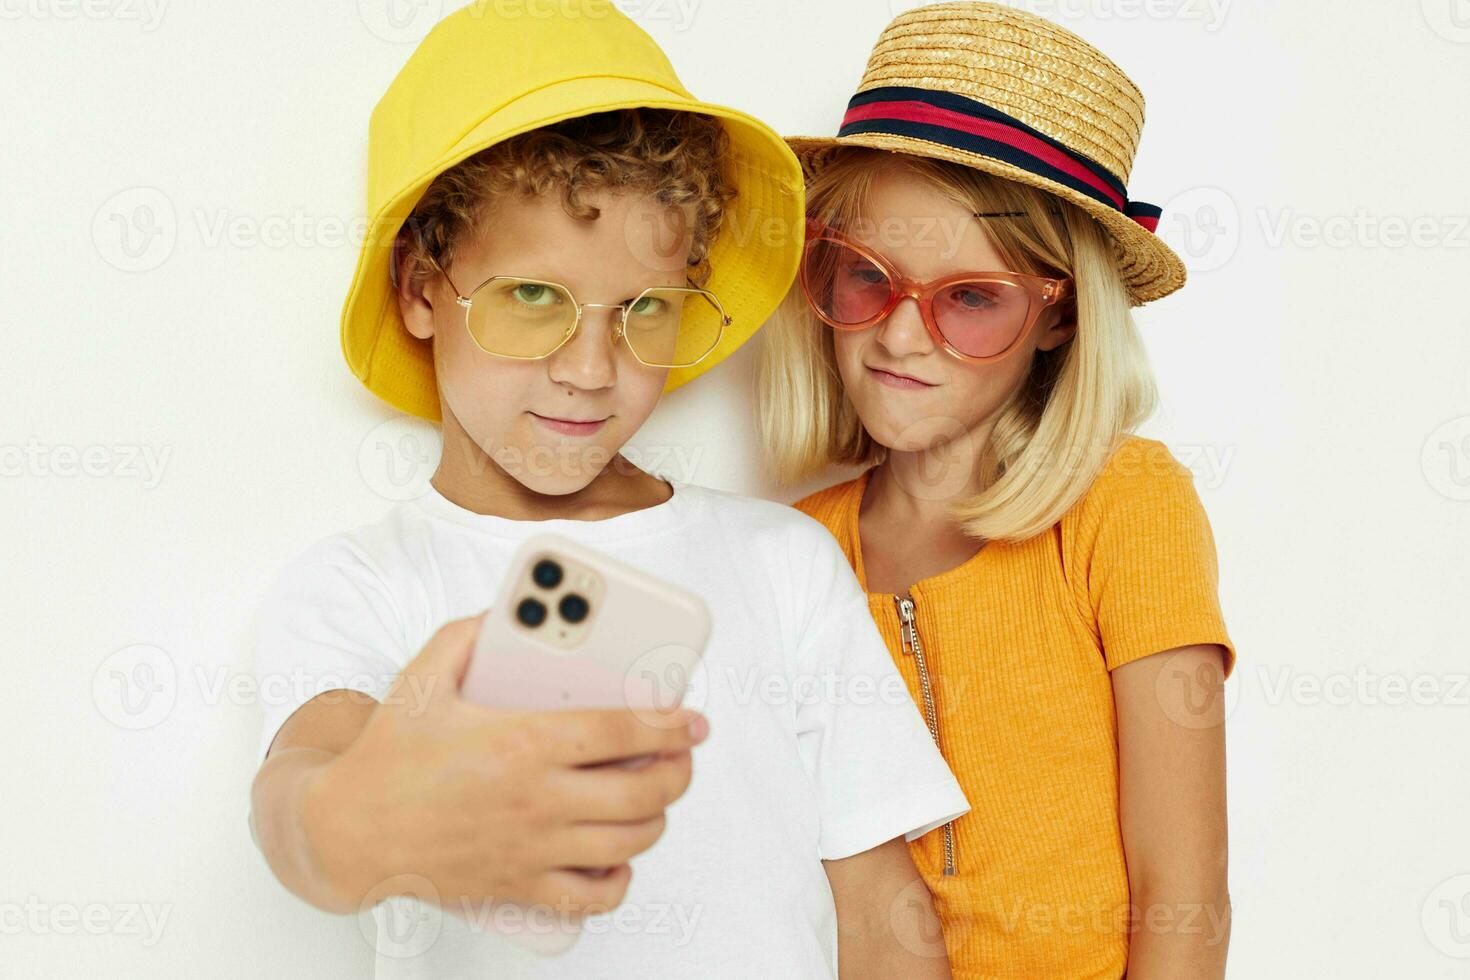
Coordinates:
[903,332]
[589,360]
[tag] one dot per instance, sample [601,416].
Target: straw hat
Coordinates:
[1014,95]
[483,75]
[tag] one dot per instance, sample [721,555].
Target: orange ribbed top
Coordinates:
[1017,644]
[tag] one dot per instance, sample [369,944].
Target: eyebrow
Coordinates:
[557,280]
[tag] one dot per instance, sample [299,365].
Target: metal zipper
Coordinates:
[911,645]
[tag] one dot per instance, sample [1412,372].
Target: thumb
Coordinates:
[435,674]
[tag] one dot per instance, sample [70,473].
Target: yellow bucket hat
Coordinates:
[491,71]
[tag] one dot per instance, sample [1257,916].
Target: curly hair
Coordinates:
[673,156]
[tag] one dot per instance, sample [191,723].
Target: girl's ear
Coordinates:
[413,302]
[1058,332]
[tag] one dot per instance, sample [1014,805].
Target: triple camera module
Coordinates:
[572,608]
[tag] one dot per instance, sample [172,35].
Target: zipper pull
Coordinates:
[906,618]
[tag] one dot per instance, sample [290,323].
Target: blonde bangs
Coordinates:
[1054,435]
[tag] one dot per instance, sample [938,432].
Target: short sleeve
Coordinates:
[326,623]
[877,772]
[1145,555]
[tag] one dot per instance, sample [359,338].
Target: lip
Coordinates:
[571,427]
[893,379]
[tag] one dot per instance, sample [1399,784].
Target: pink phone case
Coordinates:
[636,648]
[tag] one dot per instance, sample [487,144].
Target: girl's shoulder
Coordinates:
[1138,465]
[1143,499]
[833,505]
[754,524]
[1140,557]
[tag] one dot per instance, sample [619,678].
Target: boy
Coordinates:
[561,233]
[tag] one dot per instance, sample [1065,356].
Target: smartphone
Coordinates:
[573,628]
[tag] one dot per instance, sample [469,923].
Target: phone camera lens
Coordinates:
[546,574]
[573,608]
[532,612]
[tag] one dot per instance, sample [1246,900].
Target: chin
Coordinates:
[916,433]
[553,469]
[555,487]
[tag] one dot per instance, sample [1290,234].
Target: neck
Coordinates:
[923,485]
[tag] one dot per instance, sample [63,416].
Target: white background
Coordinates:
[175,184]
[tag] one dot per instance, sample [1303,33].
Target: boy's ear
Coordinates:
[413,303]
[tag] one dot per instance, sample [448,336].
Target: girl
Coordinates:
[1045,580]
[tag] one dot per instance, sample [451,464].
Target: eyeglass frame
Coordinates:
[620,332]
[1044,291]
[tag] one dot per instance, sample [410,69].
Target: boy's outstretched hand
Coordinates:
[481,804]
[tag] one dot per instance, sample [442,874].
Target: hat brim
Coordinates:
[1149,268]
[753,261]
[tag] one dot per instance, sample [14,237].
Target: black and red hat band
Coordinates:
[972,126]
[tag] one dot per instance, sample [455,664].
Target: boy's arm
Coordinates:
[886,924]
[316,734]
[475,804]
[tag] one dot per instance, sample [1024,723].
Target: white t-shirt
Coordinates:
[816,750]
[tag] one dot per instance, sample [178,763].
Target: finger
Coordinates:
[580,738]
[436,673]
[583,894]
[637,762]
[603,845]
[620,795]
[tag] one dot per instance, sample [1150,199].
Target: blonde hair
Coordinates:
[671,155]
[1057,430]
